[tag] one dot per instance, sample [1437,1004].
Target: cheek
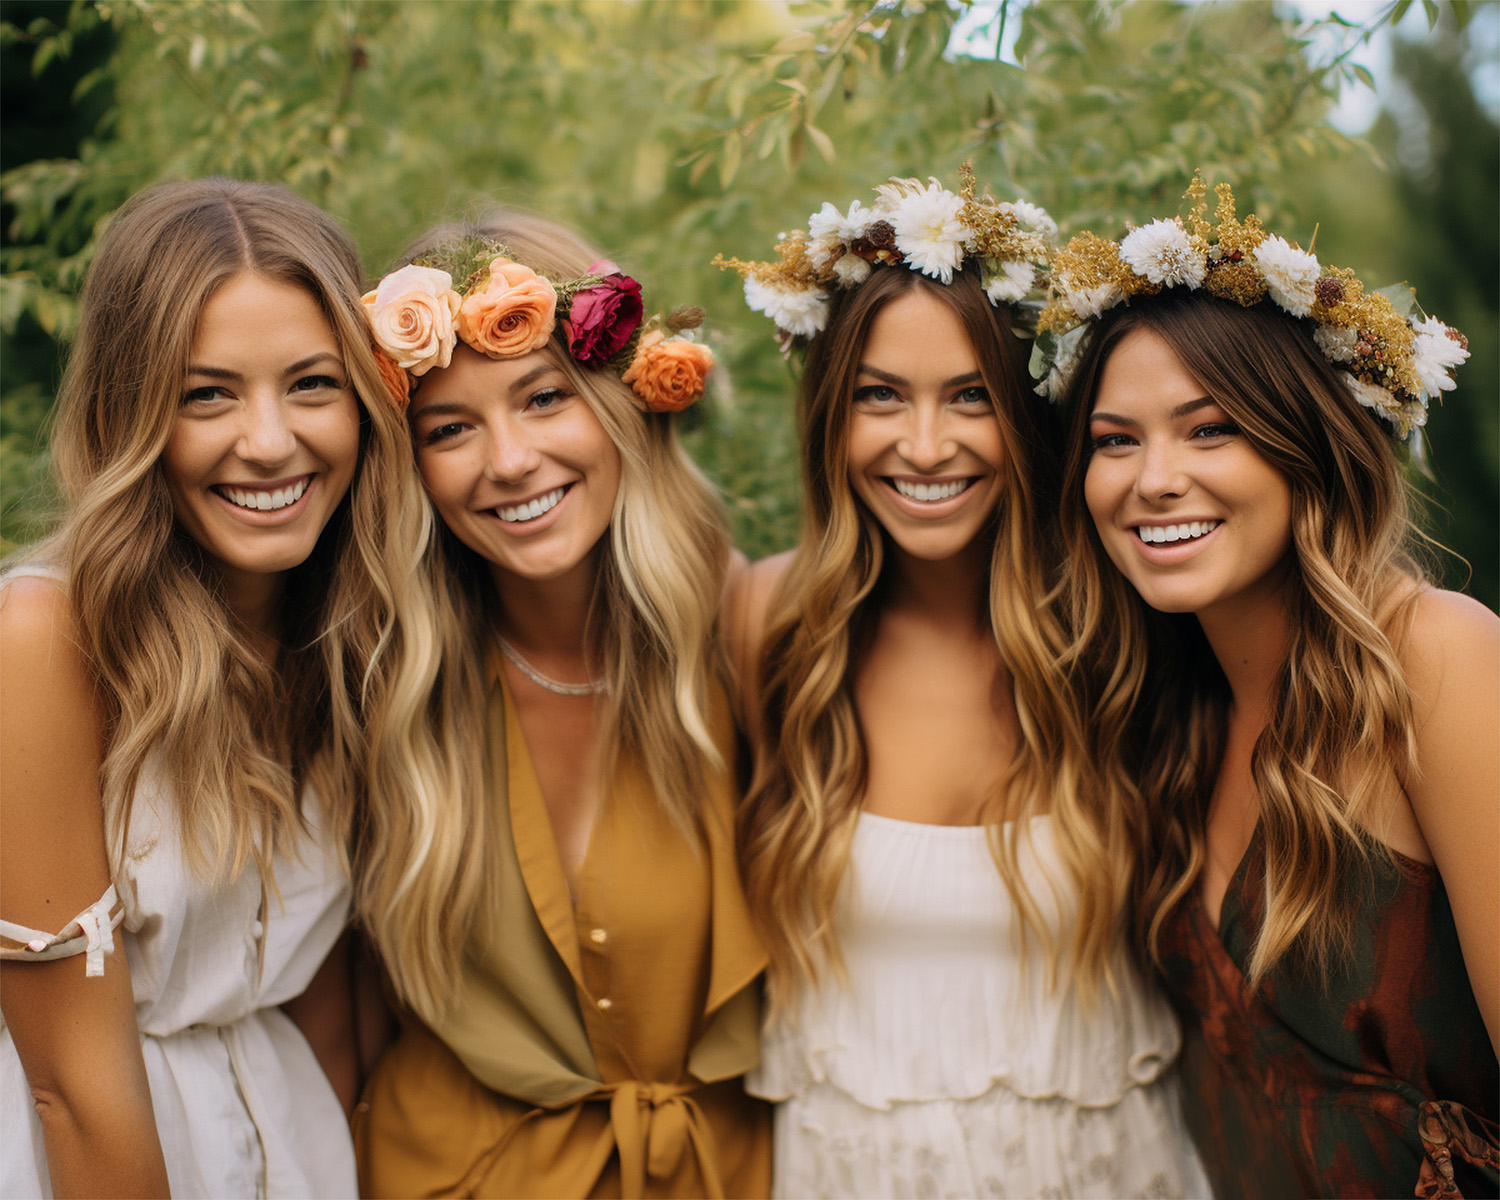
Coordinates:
[1099,489]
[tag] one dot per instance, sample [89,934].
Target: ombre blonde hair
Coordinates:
[1341,715]
[422,859]
[798,820]
[237,739]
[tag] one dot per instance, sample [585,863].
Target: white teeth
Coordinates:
[1157,534]
[265,501]
[532,509]
[930,491]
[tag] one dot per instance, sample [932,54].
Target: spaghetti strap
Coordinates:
[90,933]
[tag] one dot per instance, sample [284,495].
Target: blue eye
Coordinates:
[876,393]
[548,398]
[1217,429]
[1112,441]
[974,396]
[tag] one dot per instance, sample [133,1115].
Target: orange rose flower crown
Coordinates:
[504,310]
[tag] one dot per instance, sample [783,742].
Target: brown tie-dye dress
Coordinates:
[1379,1081]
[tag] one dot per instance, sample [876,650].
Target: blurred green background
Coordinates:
[670,130]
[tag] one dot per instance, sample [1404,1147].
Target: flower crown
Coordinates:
[505,310]
[923,228]
[1391,364]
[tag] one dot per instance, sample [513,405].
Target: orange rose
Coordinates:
[668,376]
[395,378]
[411,315]
[513,314]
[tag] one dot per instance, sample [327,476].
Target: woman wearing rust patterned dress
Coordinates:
[1300,729]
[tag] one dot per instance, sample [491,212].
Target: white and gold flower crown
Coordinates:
[921,227]
[1391,363]
[504,310]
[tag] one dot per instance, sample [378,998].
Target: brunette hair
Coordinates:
[652,629]
[1342,713]
[236,738]
[798,820]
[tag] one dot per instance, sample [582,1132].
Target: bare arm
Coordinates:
[1452,658]
[76,1036]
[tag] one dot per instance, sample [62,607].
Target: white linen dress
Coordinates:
[242,1107]
[946,1067]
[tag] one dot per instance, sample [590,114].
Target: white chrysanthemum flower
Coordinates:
[929,233]
[1291,274]
[1163,253]
[799,313]
[1435,355]
[1032,216]
[1010,283]
[1090,302]
[1336,344]
[851,270]
[831,231]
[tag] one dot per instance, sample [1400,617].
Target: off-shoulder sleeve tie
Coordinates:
[90,933]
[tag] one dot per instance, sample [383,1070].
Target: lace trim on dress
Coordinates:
[90,933]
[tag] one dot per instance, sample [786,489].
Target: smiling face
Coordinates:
[925,448]
[266,440]
[1187,509]
[516,462]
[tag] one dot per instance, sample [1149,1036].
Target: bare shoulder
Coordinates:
[38,628]
[747,603]
[748,596]
[1448,645]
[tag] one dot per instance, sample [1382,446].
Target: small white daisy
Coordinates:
[1435,356]
[1010,283]
[1291,274]
[1090,302]
[1163,253]
[801,313]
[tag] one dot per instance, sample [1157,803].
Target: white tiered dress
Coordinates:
[946,1067]
[242,1107]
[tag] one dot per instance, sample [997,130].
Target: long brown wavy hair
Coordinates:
[238,739]
[1158,701]
[422,854]
[798,820]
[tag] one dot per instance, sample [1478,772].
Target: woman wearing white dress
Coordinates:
[953,1013]
[177,714]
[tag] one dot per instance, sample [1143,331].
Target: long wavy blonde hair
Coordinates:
[798,820]
[236,738]
[1341,715]
[423,852]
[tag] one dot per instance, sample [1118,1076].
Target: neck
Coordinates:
[1250,641]
[951,591]
[547,616]
[255,601]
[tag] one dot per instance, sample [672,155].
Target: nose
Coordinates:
[266,436]
[511,454]
[1162,474]
[926,443]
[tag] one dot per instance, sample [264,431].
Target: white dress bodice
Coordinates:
[242,1106]
[946,1065]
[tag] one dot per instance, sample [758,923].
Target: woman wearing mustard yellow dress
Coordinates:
[548,867]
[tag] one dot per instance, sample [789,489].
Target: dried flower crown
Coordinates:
[504,310]
[921,227]
[1392,364]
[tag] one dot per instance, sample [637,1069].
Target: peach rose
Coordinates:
[668,376]
[513,314]
[411,316]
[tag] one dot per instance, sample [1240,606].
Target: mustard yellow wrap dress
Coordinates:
[597,1047]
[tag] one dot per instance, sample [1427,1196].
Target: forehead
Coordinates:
[1144,374]
[917,330]
[254,313]
[471,377]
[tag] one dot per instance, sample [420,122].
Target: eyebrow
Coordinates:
[887,377]
[300,365]
[1177,413]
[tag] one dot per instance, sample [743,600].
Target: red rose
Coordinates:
[602,318]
